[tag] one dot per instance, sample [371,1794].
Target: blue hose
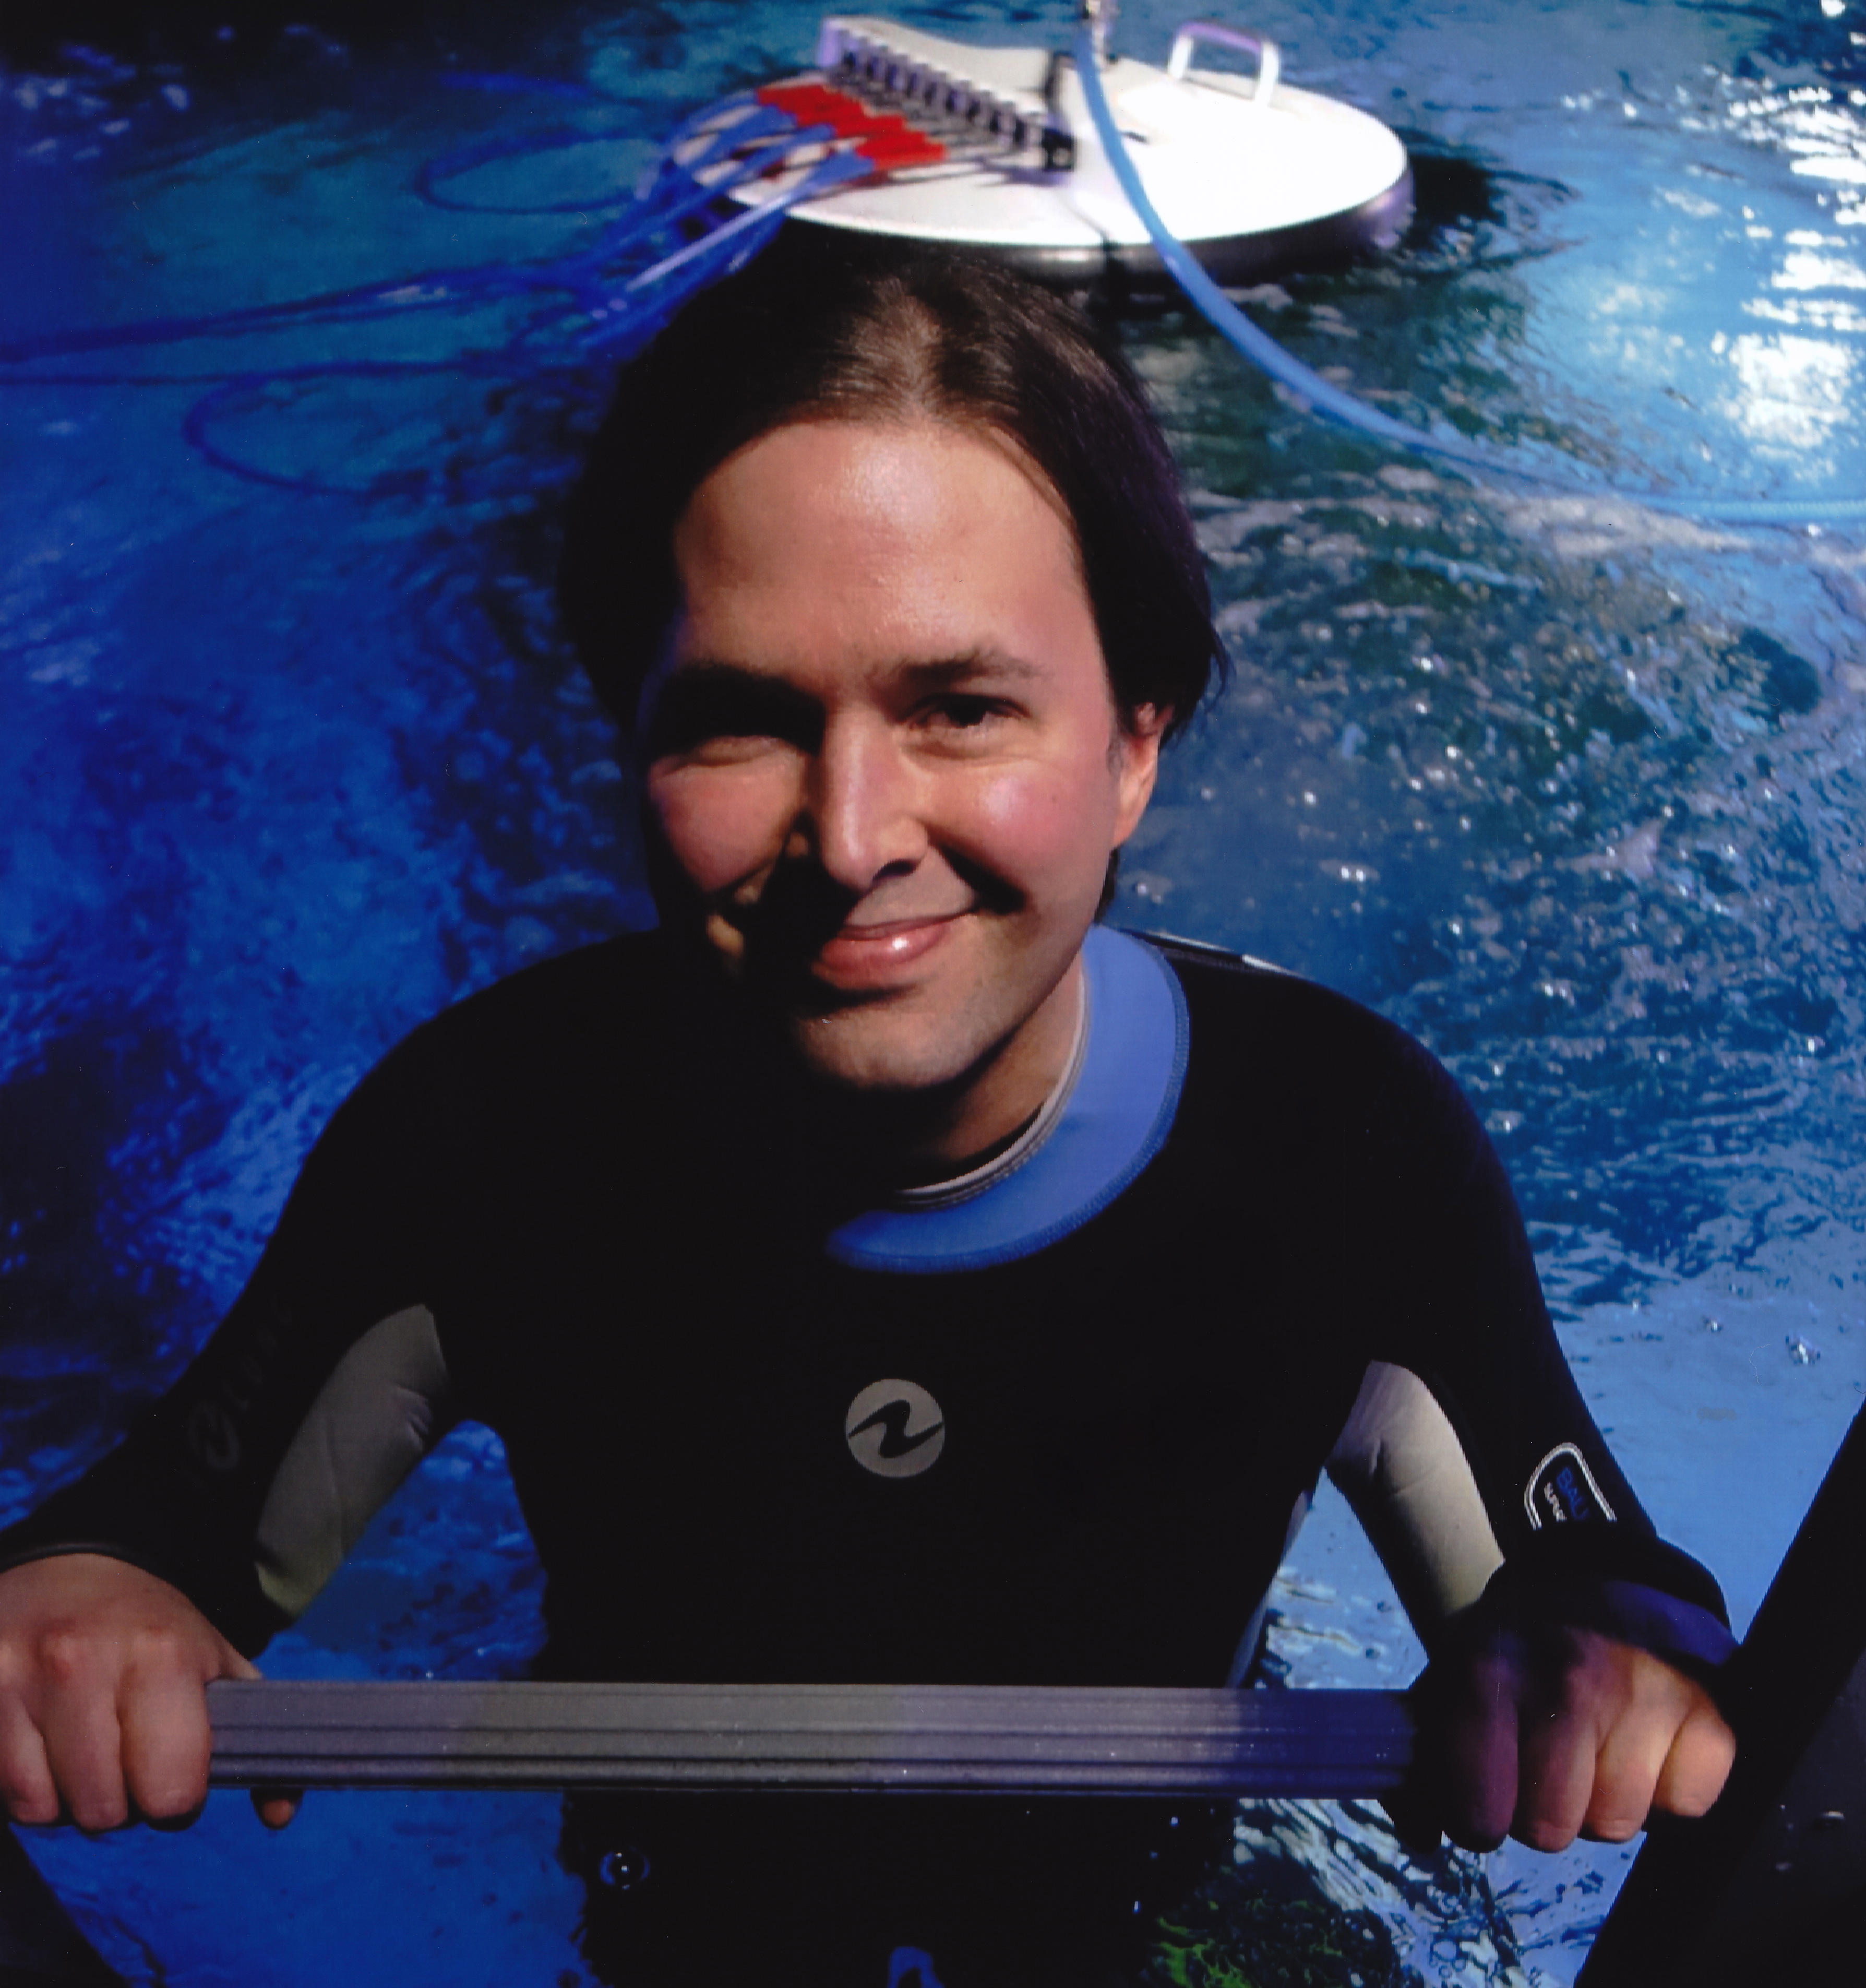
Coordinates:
[906,1960]
[604,300]
[1327,399]
[763,123]
[627,318]
[673,196]
[436,172]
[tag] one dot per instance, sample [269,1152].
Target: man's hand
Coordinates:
[1570,1733]
[103,1670]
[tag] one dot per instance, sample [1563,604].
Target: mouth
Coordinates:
[859,959]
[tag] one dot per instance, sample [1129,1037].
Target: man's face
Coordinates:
[886,759]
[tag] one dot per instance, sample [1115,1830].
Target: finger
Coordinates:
[1414,1807]
[1699,1762]
[1626,1774]
[1641,1702]
[83,1743]
[276,1807]
[163,1716]
[1562,1738]
[1478,1745]
[27,1792]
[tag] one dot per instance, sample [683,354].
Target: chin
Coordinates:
[872,1055]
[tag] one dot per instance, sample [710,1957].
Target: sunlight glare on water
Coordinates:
[1571,789]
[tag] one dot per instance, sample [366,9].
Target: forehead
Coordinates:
[860,538]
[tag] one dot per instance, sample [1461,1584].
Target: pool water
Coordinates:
[1572,789]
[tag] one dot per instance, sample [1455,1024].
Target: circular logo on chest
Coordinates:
[895,1428]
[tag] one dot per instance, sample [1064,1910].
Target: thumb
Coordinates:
[1414,1816]
[274,1807]
[1414,1807]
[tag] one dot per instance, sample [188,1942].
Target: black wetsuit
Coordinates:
[1259,1234]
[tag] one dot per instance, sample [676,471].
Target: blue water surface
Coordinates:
[1571,789]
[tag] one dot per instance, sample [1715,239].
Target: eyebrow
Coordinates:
[704,694]
[931,673]
[947,671]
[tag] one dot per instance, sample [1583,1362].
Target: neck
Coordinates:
[934,1134]
[879,1138]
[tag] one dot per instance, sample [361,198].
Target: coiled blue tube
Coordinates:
[1263,352]
[906,1960]
[671,197]
[675,236]
[629,317]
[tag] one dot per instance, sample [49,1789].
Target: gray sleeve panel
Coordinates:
[1400,1465]
[383,1408]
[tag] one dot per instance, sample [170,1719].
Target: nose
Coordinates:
[860,818]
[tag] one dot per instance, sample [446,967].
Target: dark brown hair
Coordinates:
[923,334]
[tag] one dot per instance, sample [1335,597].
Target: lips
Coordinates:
[859,957]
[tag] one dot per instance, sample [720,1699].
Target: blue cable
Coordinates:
[434,173]
[765,122]
[609,308]
[1327,399]
[905,1960]
[521,85]
[671,195]
[628,318]
[610,297]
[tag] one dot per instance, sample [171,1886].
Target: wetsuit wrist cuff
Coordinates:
[1680,1632]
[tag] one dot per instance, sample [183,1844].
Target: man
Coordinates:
[885,1272]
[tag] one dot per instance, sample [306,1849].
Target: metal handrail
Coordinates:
[850,1738]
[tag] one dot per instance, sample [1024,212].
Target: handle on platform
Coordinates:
[1269,57]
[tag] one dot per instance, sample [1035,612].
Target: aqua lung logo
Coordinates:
[212,1436]
[213,1422]
[895,1428]
[1562,1491]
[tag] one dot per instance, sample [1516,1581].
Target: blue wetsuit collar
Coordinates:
[1116,1119]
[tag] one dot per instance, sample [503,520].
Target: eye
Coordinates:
[959,711]
[705,709]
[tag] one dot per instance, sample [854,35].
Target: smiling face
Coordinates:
[886,762]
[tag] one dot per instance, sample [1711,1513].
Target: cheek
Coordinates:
[723,824]
[1045,824]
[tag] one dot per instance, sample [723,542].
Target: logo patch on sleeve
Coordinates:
[1561,1491]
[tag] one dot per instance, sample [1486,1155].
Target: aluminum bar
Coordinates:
[927,1738]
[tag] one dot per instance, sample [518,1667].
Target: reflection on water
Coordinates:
[1571,789]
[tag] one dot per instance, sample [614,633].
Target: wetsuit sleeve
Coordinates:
[1469,1455]
[247,1483]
